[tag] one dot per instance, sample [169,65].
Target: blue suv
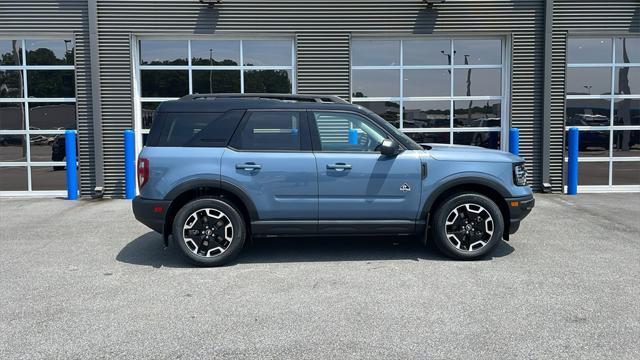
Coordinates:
[219,168]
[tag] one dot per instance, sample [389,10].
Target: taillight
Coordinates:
[143,171]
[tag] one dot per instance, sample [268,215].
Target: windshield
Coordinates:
[404,139]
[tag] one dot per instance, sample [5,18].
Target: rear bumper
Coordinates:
[519,208]
[151,212]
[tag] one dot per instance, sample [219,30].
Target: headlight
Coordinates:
[519,174]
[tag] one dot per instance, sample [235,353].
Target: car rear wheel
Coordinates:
[467,226]
[209,231]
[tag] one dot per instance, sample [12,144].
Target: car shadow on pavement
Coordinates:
[149,250]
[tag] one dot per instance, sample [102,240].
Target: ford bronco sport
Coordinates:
[219,168]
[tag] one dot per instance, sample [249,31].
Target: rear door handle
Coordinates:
[248,166]
[339,166]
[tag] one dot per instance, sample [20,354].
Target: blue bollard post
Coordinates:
[129,165]
[572,166]
[72,168]
[514,141]
[353,136]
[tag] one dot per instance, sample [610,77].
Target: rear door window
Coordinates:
[269,130]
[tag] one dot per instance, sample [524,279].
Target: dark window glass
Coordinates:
[269,130]
[478,52]
[347,132]
[10,52]
[490,140]
[180,128]
[12,148]
[477,82]
[628,80]
[593,143]
[52,116]
[216,81]
[626,143]
[588,112]
[215,52]
[626,173]
[430,137]
[267,52]
[476,113]
[589,81]
[48,178]
[593,173]
[163,52]
[628,50]
[426,114]
[376,83]
[49,52]
[51,83]
[43,146]
[388,110]
[426,83]
[164,83]
[426,52]
[11,116]
[267,81]
[626,112]
[375,52]
[588,51]
[10,83]
[13,178]
[148,113]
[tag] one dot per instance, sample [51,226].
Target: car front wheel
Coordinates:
[467,226]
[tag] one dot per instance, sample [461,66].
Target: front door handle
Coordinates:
[339,166]
[250,166]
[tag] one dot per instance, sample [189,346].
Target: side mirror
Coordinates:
[389,147]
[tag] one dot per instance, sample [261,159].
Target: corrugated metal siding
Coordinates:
[68,17]
[321,27]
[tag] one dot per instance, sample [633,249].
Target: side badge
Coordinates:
[405,187]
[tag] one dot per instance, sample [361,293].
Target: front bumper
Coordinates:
[151,212]
[519,208]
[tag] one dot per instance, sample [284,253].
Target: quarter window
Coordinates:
[269,130]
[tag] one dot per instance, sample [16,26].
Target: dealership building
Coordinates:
[454,71]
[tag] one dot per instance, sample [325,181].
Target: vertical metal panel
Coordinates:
[322,64]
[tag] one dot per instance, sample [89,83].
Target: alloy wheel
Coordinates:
[469,227]
[208,232]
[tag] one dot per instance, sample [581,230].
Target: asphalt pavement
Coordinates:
[83,279]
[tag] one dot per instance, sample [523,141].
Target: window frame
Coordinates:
[305,137]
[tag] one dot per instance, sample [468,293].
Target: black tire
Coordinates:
[462,250]
[221,256]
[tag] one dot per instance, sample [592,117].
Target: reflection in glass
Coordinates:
[626,112]
[626,143]
[476,113]
[426,83]
[477,52]
[12,148]
[375,83]
[267,81]
[627,80]
[477,82]
[10,52]
[593,173]
[10,83]
[425,52]
[49,52]
[216,81]
[148,110]
[388,110]
[215,52]
[163,52]
[426,114]
[51,83]
[588,81]
[588,112]
[46,178]
[429,137]
[375,52]
[11,116]
[490,140]
[592,143]
[52,116]
[46,147]
[626,173]
[13,178]
[628,50]
[267,52]
[164,83]
[588,51]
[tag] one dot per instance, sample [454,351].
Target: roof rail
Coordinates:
[281,97]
